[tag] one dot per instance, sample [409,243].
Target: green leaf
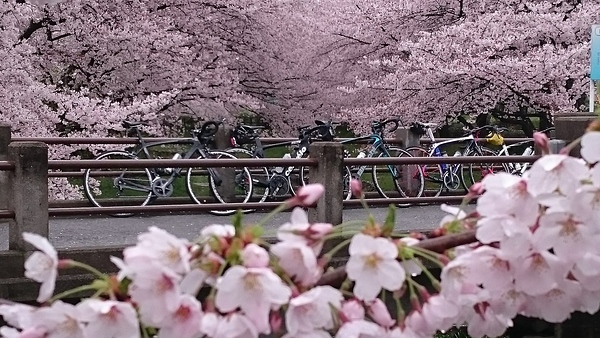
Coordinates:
[390,221]
[256,231]
[237,223]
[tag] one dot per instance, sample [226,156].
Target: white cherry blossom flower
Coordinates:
[555,305]
[309,334]
[59,320]
[292,230]
[17,315]
[158,244]
[235,325]
[589,147]
[156,291]
[538,273]
[360,329]
[485,322]
[568,236]
[255,256]
[108,318]
[378,311]
[185,321]
[217,230]
[298,260]
[556,172]
[254,290]
[312,310]
[373,265]
[42,266]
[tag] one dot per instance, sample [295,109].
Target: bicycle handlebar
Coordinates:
[378,127]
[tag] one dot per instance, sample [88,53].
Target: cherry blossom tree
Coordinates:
[468,57]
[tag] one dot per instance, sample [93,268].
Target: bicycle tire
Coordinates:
[262,174]
[407,187]
[476,171]
[433,182]
[93,185]
[212,187]
[346,191]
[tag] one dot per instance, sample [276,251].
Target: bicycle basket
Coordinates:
[495,139]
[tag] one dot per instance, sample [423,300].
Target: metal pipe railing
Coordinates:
[265,140]
[440,160]
[201,163]
[7,166]
[270,162]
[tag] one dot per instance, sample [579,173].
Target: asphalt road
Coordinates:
[94,231]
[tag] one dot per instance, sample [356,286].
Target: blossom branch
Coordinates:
[337,276]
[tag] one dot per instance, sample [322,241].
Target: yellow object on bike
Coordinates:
[495,139]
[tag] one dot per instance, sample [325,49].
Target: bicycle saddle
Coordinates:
[130,124]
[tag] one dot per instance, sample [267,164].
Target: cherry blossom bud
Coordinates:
[34,332]
[254,256]
[476,189]
[541,140]
[275,321]
[379,313]
[352,310]
[306,195]
[356,188]
[317,231]
[64,264]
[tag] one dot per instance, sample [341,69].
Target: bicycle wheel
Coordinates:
[433,174]
[260,177]
[477,171]
[407,179]
[118,186]
[347,193]
[234,185]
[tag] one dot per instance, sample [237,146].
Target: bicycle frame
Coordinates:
[513,168]
[197,148]
[378,146]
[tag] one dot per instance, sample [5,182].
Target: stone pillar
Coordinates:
[571,126]
[28,192]
[408,183]
[330,173]
[407,137]
[4,142]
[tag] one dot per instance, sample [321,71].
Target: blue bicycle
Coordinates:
[390,181]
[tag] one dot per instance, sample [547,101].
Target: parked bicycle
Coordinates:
[131,187]
[523,148]
[279,181]
[450,177]
[389,180]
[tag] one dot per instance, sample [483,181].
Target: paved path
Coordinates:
[93,231]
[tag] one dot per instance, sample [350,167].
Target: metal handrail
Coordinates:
[201,163]
[440,160]
[7,166]
[264,140]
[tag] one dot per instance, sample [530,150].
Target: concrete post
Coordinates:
[28,191]
[4,142]
[571,126]
[407,137]
[330,173]
[408,183]
[228,186]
